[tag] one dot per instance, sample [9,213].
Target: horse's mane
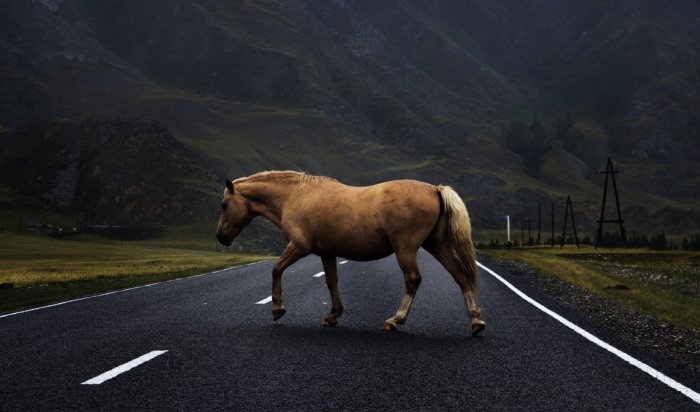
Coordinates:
[281,174]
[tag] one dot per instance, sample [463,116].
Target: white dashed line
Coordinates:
[264,301]
[342,262]
[123,368]
[319,274]
[620,354]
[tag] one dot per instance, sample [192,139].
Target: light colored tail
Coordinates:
[460,232]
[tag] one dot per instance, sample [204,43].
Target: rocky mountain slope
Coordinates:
[513,103]
[108,171]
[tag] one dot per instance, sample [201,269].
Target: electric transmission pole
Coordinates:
[610,172]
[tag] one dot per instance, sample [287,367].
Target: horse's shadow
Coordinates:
[342,335]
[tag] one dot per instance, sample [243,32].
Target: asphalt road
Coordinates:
[225,352]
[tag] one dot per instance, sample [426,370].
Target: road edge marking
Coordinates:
[665,379]
[99,295]
[112,373]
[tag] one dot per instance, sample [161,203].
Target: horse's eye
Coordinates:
[223,205]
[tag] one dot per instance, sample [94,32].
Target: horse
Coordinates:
[319,215]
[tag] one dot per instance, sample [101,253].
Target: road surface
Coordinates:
[209,343]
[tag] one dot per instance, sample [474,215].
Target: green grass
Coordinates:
[663,284]
[42,269]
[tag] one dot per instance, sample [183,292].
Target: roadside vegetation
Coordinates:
[38,269]
[665,284]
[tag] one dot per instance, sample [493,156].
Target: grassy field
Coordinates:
[663,284]
[37,269]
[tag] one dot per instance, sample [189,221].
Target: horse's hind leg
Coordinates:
[331,269]
[444,255]
[408,263]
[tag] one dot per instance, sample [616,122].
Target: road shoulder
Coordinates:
[675,348]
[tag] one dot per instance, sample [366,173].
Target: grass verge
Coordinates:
[37,269]
[663,284]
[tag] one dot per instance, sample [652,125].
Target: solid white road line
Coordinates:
[319,274]
[19,312]
[342,262]
[620,354]
[264,301]
[123,368]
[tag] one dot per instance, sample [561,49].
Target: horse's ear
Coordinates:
[229,185]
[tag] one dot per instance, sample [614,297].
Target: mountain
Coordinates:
[513,103]
[108,171]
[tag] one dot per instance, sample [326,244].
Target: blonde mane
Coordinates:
[303,177]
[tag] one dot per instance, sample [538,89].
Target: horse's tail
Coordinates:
[460,233]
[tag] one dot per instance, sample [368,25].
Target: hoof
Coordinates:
[478,327]
[278,313]
[329,322]
[389,326]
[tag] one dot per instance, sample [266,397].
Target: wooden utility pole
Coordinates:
[552,223]
[569,206]
[610,172]
[539,223]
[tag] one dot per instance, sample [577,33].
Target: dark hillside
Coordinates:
[511,102]
[108,171]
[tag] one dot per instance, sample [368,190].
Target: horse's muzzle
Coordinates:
[223,239]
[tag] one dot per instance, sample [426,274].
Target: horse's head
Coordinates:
[235,215]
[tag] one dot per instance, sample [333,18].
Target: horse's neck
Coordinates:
[267,198]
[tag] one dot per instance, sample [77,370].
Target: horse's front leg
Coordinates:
[331,269]
[290,255]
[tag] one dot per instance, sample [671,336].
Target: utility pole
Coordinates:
[539,223]
[569,206]
[552,223]
[609,171]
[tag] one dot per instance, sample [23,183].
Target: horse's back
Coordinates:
[365,223]
[399,200]
[402,197]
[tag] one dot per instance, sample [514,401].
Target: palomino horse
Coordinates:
[322,216]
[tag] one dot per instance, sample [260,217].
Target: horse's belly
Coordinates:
[362,250]
[366,255]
